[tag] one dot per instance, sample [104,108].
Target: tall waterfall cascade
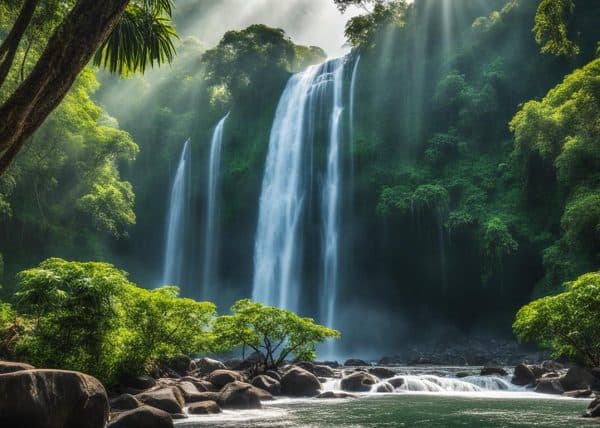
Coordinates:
[210,227]
[176,218]
[311,99]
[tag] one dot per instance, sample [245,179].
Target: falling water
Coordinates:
[351,107]
[277,252]
[331,203]
[178,205]
[210,246]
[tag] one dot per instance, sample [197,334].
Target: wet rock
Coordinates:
[396,382]
[323,371]
[52,399]
[273,374]
[523,375]
[306,365]
[549,386]
[580,393]
[358,382]
[200,384]
[11,367]
[267,383]
[298,382]
[354,362]
[124,402]
[189,390]
[593,410]
[332,364]
[139,382]
[493,371]
[205,366]
[578,378]
[460,375]
[384,387]
[204,396]
[336,394]
[145,416]
[382,372]
[204,408]
[220,378]
[168,399]
[551,366]
[239,395]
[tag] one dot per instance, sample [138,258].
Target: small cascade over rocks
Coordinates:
[176,219]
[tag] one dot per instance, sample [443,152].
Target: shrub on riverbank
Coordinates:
[566,323]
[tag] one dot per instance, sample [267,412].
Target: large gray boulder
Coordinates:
[205,366]
[358,382]
[323,371]
[204,408]
[382,372]
[267,383]
[593,410]
[523,375]
[578,378]
[11,367]
[298,382]
[145,416]
[549,386]
[168,399]
[239,395]
[220,378]
[52,399]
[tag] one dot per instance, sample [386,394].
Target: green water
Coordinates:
[410,410]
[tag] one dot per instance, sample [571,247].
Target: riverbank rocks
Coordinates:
[355,362]
[52,399]
[168,399]
[358,382]
[145,416]
[11,367]
[205,366]
[239,395]
[204,408]
[267,383]
[578,378]
[382,372]
[493,371]
[221,377]
[298,382]
[384,387]
[593,410]
[336,394]
[323,371]
[124,402]
[549,386]
[181,364]
[523,375]
[139,383]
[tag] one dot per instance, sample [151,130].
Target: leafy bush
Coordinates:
[566,323]
[273,332]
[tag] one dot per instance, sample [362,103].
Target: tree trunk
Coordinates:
[10,45]
[68,51]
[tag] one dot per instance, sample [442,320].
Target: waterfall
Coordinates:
[210,229]
[331,203]
[177,213]
[277,250]
[351,107]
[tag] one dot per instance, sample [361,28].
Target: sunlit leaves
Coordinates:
[551,27]
[142,38]
[566,323]
[362,30]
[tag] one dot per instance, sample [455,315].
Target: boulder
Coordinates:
[579,393]
[188,389]
[493,371]
[52,399]
[145,416]
[221,377]
[267,383]
[593,410]
[323,371]
[11,367]
[551,366]
[358,382]
[382,372]
[139,382]
[181,364]
[523,375]
[549,386]
[578,378]
[205,366]
[354,362]
[336,394]
[124,402]
[396,382]
[384,387]
[168,399]
[239,395]
[306,365]
[332,364]
[200,384]
[204,396]
[273,374]
[204,408]
[298,382]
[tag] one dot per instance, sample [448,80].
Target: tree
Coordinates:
[551,27]
[269,331]
[566,323]
[130,34]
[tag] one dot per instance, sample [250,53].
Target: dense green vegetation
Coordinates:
[474,151]
[90,317]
